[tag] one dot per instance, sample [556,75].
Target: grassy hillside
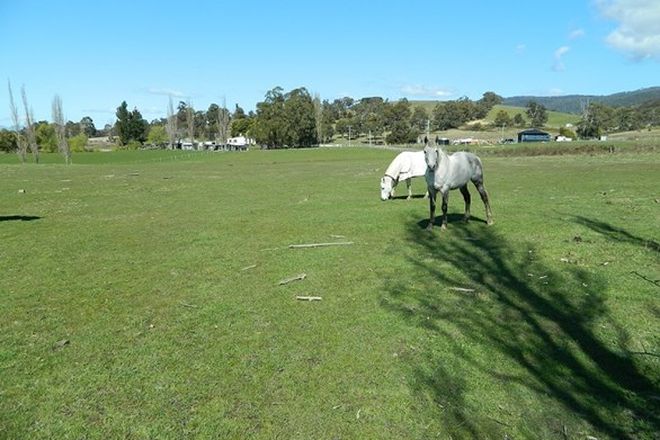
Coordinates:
[573,103]
[142,298]
[555,119]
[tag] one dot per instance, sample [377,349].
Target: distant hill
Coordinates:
[573,103]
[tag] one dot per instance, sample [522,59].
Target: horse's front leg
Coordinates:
[432,195]
[409,186]
[445,202]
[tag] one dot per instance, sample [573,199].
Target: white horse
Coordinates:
[447,172]
[404,167]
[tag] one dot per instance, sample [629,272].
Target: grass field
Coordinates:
[141,299]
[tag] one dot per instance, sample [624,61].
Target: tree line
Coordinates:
[296,119]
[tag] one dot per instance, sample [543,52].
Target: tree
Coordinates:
[397,117]
[60,129]
[7,141]
[502,119]
[419,119]
[78,142]
[537,113]
[270,124]
[596,119]
[72,129]
[21,141]
[45,136]
[223,122]
[486,104]
[29,127]
[157,135]
[172,124]
[190,121]
[286,120]
[299,114]
[87,126]
[130,126]
[519,120]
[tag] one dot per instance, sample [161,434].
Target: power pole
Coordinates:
[349,135]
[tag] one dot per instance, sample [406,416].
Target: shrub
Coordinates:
[78,143]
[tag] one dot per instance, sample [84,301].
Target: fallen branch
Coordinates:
[337,236]
[188,305]
[314,245]
[296,278]
[309,298]
[249,267]
[461,289]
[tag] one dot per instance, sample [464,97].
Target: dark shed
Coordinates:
[533,135]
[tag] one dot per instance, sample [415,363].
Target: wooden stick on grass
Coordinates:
[298,277]
[314,245]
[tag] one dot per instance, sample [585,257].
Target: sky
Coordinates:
[96,54]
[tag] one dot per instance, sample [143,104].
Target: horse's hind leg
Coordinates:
[409,189]
[484,198]
[466,197]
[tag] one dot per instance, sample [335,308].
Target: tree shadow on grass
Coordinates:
[473,288]
[22,218]
[617,234]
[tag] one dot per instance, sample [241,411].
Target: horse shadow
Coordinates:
[22,218]
[405,197]
[456,218]
[526,326]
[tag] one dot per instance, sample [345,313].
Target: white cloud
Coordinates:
[558,65]
[421,90]
[166,92]
[638,31]
[575,34]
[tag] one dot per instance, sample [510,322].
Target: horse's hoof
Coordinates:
[443,227]
[490,222]
[466,219]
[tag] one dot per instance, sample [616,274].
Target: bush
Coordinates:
[78,143]
[563,131]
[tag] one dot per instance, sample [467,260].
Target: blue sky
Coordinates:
[97,53]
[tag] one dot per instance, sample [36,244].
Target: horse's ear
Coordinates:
[426,140]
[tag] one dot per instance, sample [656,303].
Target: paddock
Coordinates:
[142,297]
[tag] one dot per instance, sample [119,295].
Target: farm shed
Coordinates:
[533,135]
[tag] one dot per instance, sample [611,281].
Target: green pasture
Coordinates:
[141,298]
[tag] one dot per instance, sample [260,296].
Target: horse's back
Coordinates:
[465,167]
[412,164]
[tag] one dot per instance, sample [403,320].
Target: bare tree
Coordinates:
[223,123]
[60,129]
[20,139]
[190,120]
[172,123]
[318,114]
[29,127]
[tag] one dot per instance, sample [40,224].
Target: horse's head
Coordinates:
[385,188]
[431,156]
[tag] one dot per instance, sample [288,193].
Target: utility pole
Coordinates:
[349,135]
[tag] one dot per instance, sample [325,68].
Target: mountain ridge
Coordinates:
[575,103]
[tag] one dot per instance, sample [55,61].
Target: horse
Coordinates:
[446,172]
[404,167]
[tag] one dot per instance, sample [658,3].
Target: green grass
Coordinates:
[143,262]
